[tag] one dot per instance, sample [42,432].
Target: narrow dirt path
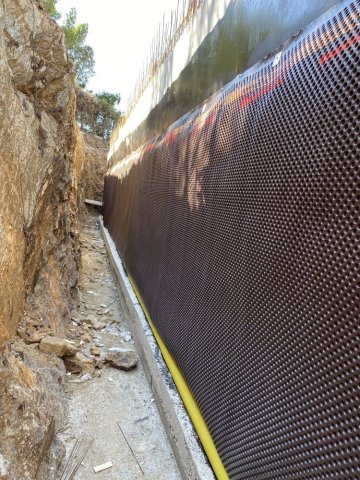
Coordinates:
[112,411]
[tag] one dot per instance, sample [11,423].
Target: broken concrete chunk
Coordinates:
[58,346]
[123,359]
[78,363]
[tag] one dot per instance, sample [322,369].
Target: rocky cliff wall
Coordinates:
[38,173]
[95,166]
[41,158]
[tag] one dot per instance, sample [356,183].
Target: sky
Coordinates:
[120,32]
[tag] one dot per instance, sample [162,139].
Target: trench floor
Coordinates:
[112,414]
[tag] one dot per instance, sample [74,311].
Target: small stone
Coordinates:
[99,325]
[99,363]
[123,359]
[90,320]
[95,351]
[79,362]
[102,305]
[58,346]
[94,323]
[126,337]
[86,337]
[110,379]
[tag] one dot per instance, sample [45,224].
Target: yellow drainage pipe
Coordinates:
[187,397]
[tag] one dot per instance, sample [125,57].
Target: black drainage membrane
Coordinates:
[241,228]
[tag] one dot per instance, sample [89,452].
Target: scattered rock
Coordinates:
[79,362]
[94,323]
[86,337]
[90,320]
[58,346]
[85,376]
[100,362]
[123,359]
[95,351]
[99,325]
[126,337]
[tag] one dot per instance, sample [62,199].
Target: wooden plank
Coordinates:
[104,466]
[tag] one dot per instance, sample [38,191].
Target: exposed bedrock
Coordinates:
[41,160]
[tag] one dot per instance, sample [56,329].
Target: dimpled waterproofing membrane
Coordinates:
[240,227]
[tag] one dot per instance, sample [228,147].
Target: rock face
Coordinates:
[31,411]
[41,160]
[95,166]
[58,346]
[38,172]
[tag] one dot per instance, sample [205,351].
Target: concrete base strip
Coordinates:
[189,455]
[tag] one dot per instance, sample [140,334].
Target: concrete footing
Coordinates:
[192,461]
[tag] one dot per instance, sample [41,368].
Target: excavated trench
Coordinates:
[110,411]
[59,313]
[74,399]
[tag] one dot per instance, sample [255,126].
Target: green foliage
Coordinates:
[109,98]
[81,55]
[96,113]
[50,6]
